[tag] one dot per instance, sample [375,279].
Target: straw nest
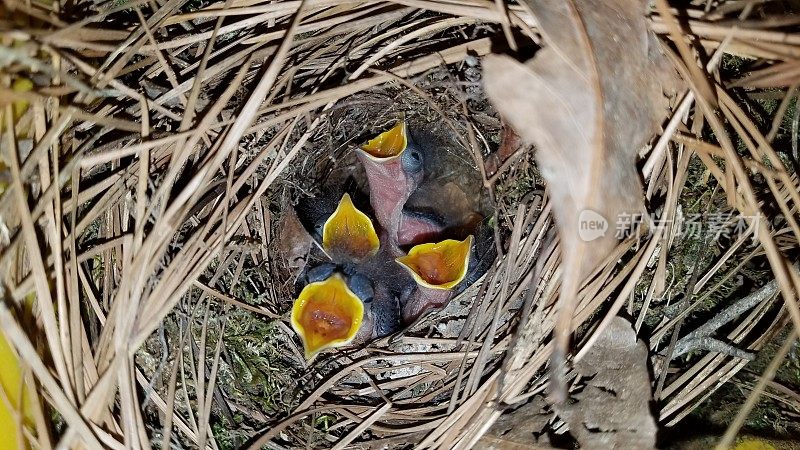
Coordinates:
[157,146]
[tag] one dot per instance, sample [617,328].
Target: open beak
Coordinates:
[437,268]
[349,233]
[440,265]
[394,170]
[326,314]
[388,144]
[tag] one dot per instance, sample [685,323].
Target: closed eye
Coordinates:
[412,160]
[362,287]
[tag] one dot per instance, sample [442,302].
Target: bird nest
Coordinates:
[150,257]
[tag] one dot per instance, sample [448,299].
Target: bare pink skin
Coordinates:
[417,230]
[389,189]
[422,299]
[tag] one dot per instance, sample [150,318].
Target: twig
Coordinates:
[752,399]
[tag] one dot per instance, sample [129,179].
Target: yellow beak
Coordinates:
[326,314]
[388,144]
[349,232]
[440,265]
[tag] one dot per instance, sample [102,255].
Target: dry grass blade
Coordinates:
[766,377]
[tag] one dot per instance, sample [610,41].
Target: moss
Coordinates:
[259,372]
[767,418]
[753,444]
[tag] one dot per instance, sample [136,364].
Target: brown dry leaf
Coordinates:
[510,144]
[294,242]
[613,410]
[589,100]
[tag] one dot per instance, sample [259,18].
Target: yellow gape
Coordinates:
[349,232]
[389,143]
[326,314]
[440,265]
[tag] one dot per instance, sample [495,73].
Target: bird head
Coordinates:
[394,167]
[330,312]
[437,268]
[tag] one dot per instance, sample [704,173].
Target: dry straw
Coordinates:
[125,202]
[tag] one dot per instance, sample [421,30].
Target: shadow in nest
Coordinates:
[453,187]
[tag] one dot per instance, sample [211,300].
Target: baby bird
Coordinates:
[443,269]
[340,307]
[369,284]
[437,268]
[395,166]
[337,208]
[420,198]
[351,299]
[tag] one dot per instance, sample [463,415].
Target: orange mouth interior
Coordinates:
[326,314]
[389,143]
[440,265]
[349,232]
